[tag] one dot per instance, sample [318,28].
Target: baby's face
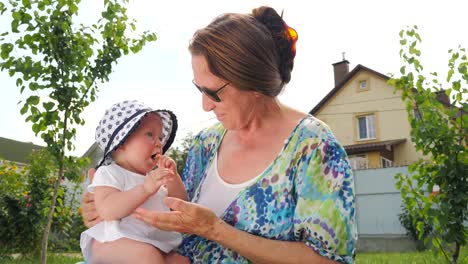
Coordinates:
[140,150]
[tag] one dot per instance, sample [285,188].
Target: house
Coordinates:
[17,151]
[368,118]
[94,153]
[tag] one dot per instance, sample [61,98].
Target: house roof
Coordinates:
[16,151]
[348,77]
[90,150]
[360,148]
[440,95]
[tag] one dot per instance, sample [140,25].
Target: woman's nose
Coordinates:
[207,103]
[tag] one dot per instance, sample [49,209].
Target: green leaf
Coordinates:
[456,86]
[449,75]
[26,3]
[6,49]
[14,26]
[48,106]
[24,109]
[402,70]
[33,100]
[16,16]
[73,8]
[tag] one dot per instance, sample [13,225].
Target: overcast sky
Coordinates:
[160,75]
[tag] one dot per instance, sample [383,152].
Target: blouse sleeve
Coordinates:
[195,164]
[324,217]
[105,177]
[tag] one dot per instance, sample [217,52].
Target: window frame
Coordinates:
[383,160]
[358,85]
[368,128]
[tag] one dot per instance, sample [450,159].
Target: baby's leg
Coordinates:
[175,258]
[124,251]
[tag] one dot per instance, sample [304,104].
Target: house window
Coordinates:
[363,85]
[358,161]
[366,127]
[385,163]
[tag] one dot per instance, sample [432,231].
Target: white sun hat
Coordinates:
[120,120]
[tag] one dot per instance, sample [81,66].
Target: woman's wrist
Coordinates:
[217,231]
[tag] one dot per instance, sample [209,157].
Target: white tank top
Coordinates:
[215,193]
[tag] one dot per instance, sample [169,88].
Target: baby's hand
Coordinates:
[157,178]
[167,163]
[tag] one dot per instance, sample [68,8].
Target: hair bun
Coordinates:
[284,37]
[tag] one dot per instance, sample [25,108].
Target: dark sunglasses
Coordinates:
[212,94]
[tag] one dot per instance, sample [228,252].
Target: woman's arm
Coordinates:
[191,218]
[262,250]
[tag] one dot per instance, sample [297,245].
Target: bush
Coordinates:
[25,195]
[408,222]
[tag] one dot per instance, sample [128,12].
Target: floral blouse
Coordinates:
[306,194]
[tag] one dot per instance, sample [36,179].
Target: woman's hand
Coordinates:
[88,207]
[186,217]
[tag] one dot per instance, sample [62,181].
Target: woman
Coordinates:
[268,184]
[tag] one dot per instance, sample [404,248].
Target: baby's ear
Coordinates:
[116,153]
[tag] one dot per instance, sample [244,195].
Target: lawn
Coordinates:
[407,258]
[51,259]
[362,258]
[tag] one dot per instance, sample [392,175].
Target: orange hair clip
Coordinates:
[292,35]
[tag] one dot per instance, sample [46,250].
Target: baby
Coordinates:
[132,173]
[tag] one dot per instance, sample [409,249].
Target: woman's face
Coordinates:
[236,107]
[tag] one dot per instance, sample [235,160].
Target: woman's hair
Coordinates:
[252,51]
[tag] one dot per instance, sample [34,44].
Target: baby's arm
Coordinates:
[175,186]
[112,204]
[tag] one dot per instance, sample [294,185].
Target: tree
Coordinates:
[179,155]
[438,130]
[62,64]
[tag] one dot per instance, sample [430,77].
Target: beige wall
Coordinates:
[373,159]
[391,118]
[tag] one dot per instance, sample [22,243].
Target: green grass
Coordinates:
[51,259]
[362,258]
[426,257]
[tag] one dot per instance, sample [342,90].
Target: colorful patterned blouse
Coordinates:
[306,194]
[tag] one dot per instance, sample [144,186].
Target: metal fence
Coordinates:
[378,202]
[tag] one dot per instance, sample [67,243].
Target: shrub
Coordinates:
[407,221]
[25,195]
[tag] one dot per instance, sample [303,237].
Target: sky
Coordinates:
[160,75]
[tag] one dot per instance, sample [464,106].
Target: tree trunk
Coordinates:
[45,237]
[456,253]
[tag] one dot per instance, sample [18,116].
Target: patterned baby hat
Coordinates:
[122,119]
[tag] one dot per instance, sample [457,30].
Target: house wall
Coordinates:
[373,159]
[391,118]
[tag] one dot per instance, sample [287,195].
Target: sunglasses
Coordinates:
[212,94]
